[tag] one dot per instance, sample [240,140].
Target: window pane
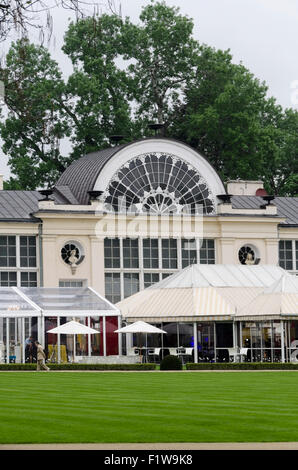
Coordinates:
[130,253]
[169,254]
[286,254]
[8,279]
[188,252]
[112,252]
[131,284]
[207,252]
[150,253]
[112,287]
[150,278]
[28,279]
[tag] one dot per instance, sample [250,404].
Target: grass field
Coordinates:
[72,407]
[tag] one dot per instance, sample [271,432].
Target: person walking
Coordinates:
[40,357]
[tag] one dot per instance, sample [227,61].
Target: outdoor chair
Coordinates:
[243,352]
[154,353]
[234,353]
[173,351]
[133,352]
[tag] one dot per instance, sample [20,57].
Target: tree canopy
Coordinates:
[126,76]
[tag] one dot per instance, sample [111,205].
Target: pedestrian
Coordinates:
[40,357]
[29,348]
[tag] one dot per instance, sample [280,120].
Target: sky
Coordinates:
[262,34]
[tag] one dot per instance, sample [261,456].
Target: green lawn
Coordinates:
[148,407]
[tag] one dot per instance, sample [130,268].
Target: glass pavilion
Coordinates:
[31,311]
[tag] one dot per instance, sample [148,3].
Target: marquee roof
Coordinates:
[222,275]
[203,292]
[56,301]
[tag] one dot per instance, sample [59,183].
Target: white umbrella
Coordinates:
[73,328]
[140,327]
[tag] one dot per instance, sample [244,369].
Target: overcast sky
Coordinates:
[260,33]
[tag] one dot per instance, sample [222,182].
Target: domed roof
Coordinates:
[155,171]
[82,174]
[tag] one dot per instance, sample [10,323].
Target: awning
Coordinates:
[187,304]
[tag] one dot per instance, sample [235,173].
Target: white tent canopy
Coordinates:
[204,293]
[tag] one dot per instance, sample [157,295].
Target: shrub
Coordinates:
[171,363]
[242,366]
[70,366]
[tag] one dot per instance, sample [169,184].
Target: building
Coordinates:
[121,219]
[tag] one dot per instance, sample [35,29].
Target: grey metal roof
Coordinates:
[82,174]
[19,205]
[286,206]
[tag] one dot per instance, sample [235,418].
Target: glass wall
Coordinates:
[292,343]
[205,333]
[263,341]
[17,336]
[85,345]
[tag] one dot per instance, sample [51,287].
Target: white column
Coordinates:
[23,340]
[119,337]
[282,341]
[41,330]
[97,264]
[7,341]
[195,337]
[58,342]
[104,336]
[89,339]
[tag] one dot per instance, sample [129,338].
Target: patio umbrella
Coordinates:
[140,327]
[73,328]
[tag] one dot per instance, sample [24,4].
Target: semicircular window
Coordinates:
[159,183]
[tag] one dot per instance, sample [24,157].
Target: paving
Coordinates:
[158,446]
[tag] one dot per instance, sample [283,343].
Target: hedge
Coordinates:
[242,366]
[66,366]
[171,363]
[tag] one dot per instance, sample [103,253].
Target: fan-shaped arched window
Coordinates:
[159,183]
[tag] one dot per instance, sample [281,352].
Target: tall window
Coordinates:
[8,251]
[288,254]
[207,252]
[112,252]
[131,284]
[150,253]
[130,253]
[188,252]
[112,287]
[28,251]
[169,254]
[18,261]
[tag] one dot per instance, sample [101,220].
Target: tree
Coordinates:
[229,118]
[36,122]
[20,15]
[126,75]
[101,106]
[163,54]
